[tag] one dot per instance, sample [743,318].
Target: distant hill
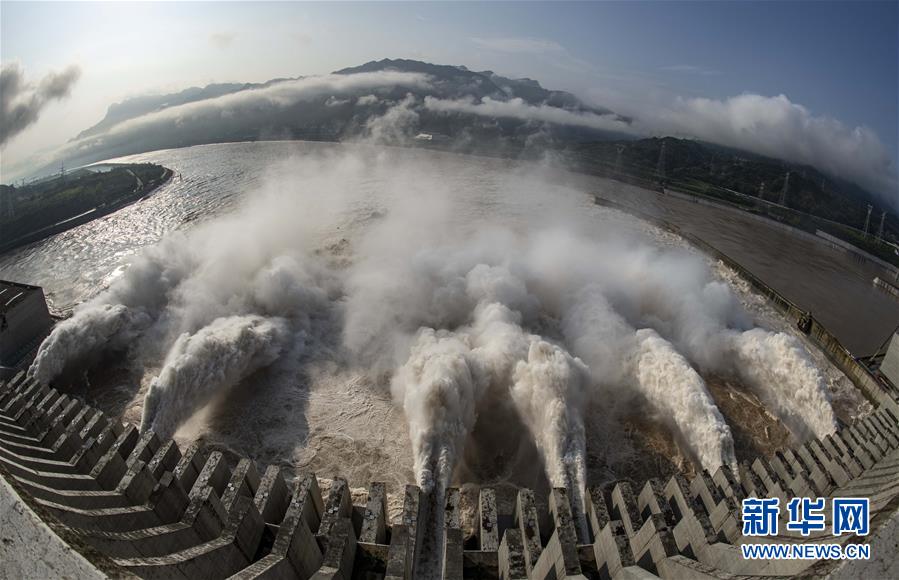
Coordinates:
[137,106]
[524,118]
[721,172]
[335,117]
[458,81]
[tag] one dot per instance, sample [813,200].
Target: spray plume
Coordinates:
[208,363]
[703,320]
[453,305]
[550,391]
[642,362]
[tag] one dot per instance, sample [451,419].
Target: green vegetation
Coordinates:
[812,201]
[38,208]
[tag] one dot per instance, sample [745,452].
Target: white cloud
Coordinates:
[777,127]
[335,102]
[519,109]
[278,95]
[519,45]
[770,126]
[21,102]
[246,112]
[365,100]
[397,124]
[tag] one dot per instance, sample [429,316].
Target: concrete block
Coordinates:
[165,459]
[773,484]
[244,482]
[453,564]
[488,529]
[704,488]
[404,538]
[338,506]
[337,563]
[452,554]
[399,565]
[272,498]
[838,451]
[511,556]
[111,467]
[374,529]
[560,508]
[529,525]
[189,466]
[688,508]
[728,484]
[624,508]
[294,541]
[835,468]
[652,500]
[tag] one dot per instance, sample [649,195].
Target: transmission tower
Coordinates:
[783,192]
[883,217]
[660,168]
[868,219]
[620,149]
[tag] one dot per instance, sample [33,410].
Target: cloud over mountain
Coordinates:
[779,128]
[393,99]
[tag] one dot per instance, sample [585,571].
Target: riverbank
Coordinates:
[141,191]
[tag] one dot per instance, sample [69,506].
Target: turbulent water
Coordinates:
[392,314]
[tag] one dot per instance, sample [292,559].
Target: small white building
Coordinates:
[24,322]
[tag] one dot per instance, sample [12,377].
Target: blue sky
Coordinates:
[838,60]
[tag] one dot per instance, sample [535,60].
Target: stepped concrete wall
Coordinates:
[113,502]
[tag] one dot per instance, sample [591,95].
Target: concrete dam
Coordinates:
[133,504]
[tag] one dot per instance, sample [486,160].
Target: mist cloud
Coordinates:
[519,109]
[277,96]
[21,102]
[771,126]
[778,127]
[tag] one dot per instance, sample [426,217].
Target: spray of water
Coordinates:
[439,391]
[786,379]
[550,392]
[646,365]
[451,302]
[97,329]
[208,363]
[704,321]
[115,319]
[672,387]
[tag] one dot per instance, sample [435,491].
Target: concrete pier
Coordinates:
[119,503]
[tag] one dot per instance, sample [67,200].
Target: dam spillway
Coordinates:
[452,532]
[135,504]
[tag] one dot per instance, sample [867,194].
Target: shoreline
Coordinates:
[83,218]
